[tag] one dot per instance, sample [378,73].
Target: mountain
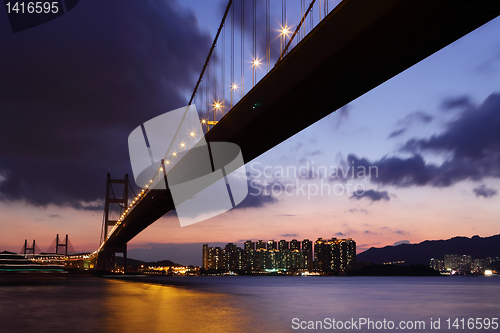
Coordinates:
[421,253]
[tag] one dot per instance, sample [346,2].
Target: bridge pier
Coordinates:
[106,260]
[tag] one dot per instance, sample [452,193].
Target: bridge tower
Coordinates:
[106,258]
[26,248]
[65,245]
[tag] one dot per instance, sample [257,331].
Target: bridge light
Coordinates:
[161,169]
[234,86]
[174,154]
[256,62]
[183,144]
[203,121]
[285,31]
[192,134]
[168,162]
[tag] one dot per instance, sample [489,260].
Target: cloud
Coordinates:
[415,117]
[289,235]
[372,195]
[397,133]
[74,89]
[474,135]
[401,242]
[340,234]
[472,142]
[285,215]
[355,210]
[459,102]
[314,153]
[341,116]
[258,195]
[55,216]
[483,191]
[412,118]
[395,231]
[296,146]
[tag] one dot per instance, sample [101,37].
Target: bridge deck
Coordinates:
[358,46]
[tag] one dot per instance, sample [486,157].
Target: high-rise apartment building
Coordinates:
[260,245]
[294,245]
[249,245]
[205,256]
[307,252]
[272,245]
[283,245]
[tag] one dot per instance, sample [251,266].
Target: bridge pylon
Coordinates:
[65,245]
[26,248]
[106,258]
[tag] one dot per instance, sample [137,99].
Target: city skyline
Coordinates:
[322,256]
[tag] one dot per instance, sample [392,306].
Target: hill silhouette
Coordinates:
[421,253]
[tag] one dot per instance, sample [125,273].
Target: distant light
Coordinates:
[488,272]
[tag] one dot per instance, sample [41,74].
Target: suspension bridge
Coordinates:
[319,57]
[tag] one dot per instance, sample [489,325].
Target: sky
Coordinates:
[73,89]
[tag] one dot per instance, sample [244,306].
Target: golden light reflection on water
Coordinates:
[142,307]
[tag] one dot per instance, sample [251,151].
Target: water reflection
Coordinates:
[136,307]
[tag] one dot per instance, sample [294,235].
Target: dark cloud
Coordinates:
[290,235]
[372,195]
[483,191]
[459,102]
[412,118]
[259,194]
[73,89]
[397,133]
[341,115]
[340,234]
[474,135]
[472,141]
[415,117]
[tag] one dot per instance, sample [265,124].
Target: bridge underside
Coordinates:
[357,47]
